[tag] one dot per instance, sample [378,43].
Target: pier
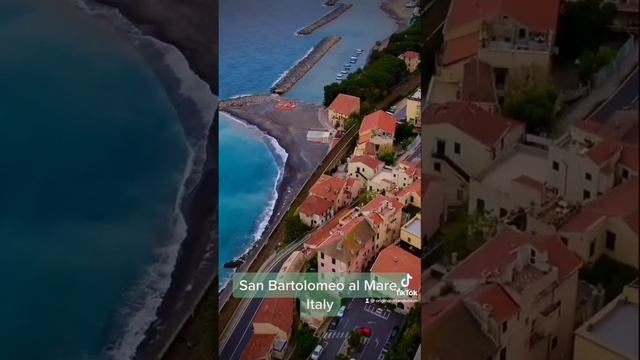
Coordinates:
[304,65]
[327,18]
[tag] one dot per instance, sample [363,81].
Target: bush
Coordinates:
[305,343]
[355,338]
[590,63]
[535,105]
[612,275]
[387,156]
[406,345]
[404,131]
[294,228]
[584,26]
[412,210]
[365,197]
[353,120]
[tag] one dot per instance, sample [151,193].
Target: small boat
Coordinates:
[339,77]
[353,61]
[347,66]
[354,57]
[359,51]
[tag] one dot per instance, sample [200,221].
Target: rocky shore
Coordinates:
[327,18]
[304,65]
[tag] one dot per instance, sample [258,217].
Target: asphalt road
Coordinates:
[624,97]
[359,313]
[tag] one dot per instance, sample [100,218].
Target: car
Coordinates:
[334,323]
[365,331]
[341,311]
[315,355]
[394,332]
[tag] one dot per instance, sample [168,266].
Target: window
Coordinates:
[456,148]
[586,194]
[625,173]
[459,195]
[592,248]
[554,342]
[587,176]
[503,354]
[333,261]
[321,255]
[564,240]
[611,241]
[555,166]
[333,270]
[504,326]
[436,166]
[507,39]
[522,32]
[503,212]
[322,264]
[479,205]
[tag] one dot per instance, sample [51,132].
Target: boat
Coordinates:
[353,61]
[347,66]
[354,57]
[359,51]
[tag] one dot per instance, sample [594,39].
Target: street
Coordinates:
[359,313]
[625,96]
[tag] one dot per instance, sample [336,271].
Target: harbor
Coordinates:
[327,18]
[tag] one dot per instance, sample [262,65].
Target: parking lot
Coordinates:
[381,322]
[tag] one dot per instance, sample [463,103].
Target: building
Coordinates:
[364,167]
[272,329]
[612,333]
[315,211]
[626,19]
[385,215]
[519,293]
[411,60]
[341,108]
[259,347]
[406,172]
[462,140]
[436,205]
[607,225]
[394,259]
[410,195]
[378,128]
[348,248]
[410,233]
[333,190]
[593,157]
[414,109]
[382,183]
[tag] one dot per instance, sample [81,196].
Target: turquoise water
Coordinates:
[257,45]
[92,157]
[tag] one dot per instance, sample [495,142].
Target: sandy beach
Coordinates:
[397,10]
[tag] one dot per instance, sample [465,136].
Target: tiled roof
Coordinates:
[499,252]
[603,151]
[478,83]
[539,15]
[315,205]
[346,242]
[277,312]
[368,160]
[378,120]
[581,222]
[345,104]
[481,125]
[320,235]
[259,347]
[394,259]
[494,298]
[461,48]
[410,55]
[632,220]
[328,187]
[415,187]
[381,203]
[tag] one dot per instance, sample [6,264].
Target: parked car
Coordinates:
[365,331]
[315,355]
[341,311]
[334,323]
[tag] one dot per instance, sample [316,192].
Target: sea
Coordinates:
[93,165]
[258,45]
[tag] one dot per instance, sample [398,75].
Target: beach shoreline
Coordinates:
[397,11]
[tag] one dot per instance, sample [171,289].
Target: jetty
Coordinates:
[327,18]
[330,2]
[304,65]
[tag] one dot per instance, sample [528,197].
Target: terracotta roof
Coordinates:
[530,182]
[460,48]
[394,259]
[378,120]
[259,347]
[621,201]
[495,299]
[380,203]
[320,235]
[497,253]
[632,220]
[441,337]
[369,161]
[603,151]
[478,83]
[315,205]
[345,104]
[483,126]
[410,55]
[415,187]
[328,187]
[277,312]
[629,157]
[369,149]
[432,310]
[538,15]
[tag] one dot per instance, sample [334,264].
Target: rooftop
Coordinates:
[478,83]
[461,48]
[345,242]
[328,187]
[259,347]
[394,259]
[345,104]
[410,55]
[413,226]
[523,164]
[441,91]
[315,205]
[378,120]
[368,160]
[278,312]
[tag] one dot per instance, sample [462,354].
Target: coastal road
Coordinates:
[625,96]
[359,313]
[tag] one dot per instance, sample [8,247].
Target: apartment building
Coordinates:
[414,109]
[385,215]
[349,248]
[377,128]
[364,167]
[394,259]
[341,108]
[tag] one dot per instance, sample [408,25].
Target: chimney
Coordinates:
[395,259]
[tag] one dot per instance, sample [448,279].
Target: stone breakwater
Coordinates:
[245,101]
[304,65]
[327,18]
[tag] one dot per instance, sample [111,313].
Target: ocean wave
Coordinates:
[284,73]
[143,301]
[281,156]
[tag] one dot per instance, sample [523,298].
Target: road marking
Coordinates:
[615,92]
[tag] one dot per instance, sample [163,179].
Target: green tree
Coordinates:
[353,120]
[305,342]
[294,228]
[388,156]
[406,344]
[467,233]
[404,131]
[584,26]
[365,197]
[590,63]
[535,105]
[355,338]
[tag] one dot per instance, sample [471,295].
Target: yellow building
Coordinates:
[410,232]
[414,109]
[341,108]
[612,333]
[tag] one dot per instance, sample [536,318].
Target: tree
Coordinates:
[294,228]
[584,26]
[355,338]
[305,342]
[590,63]
[464,235]
[388,157]
[535,105]
[404,131]
[353,120]
[365,197]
